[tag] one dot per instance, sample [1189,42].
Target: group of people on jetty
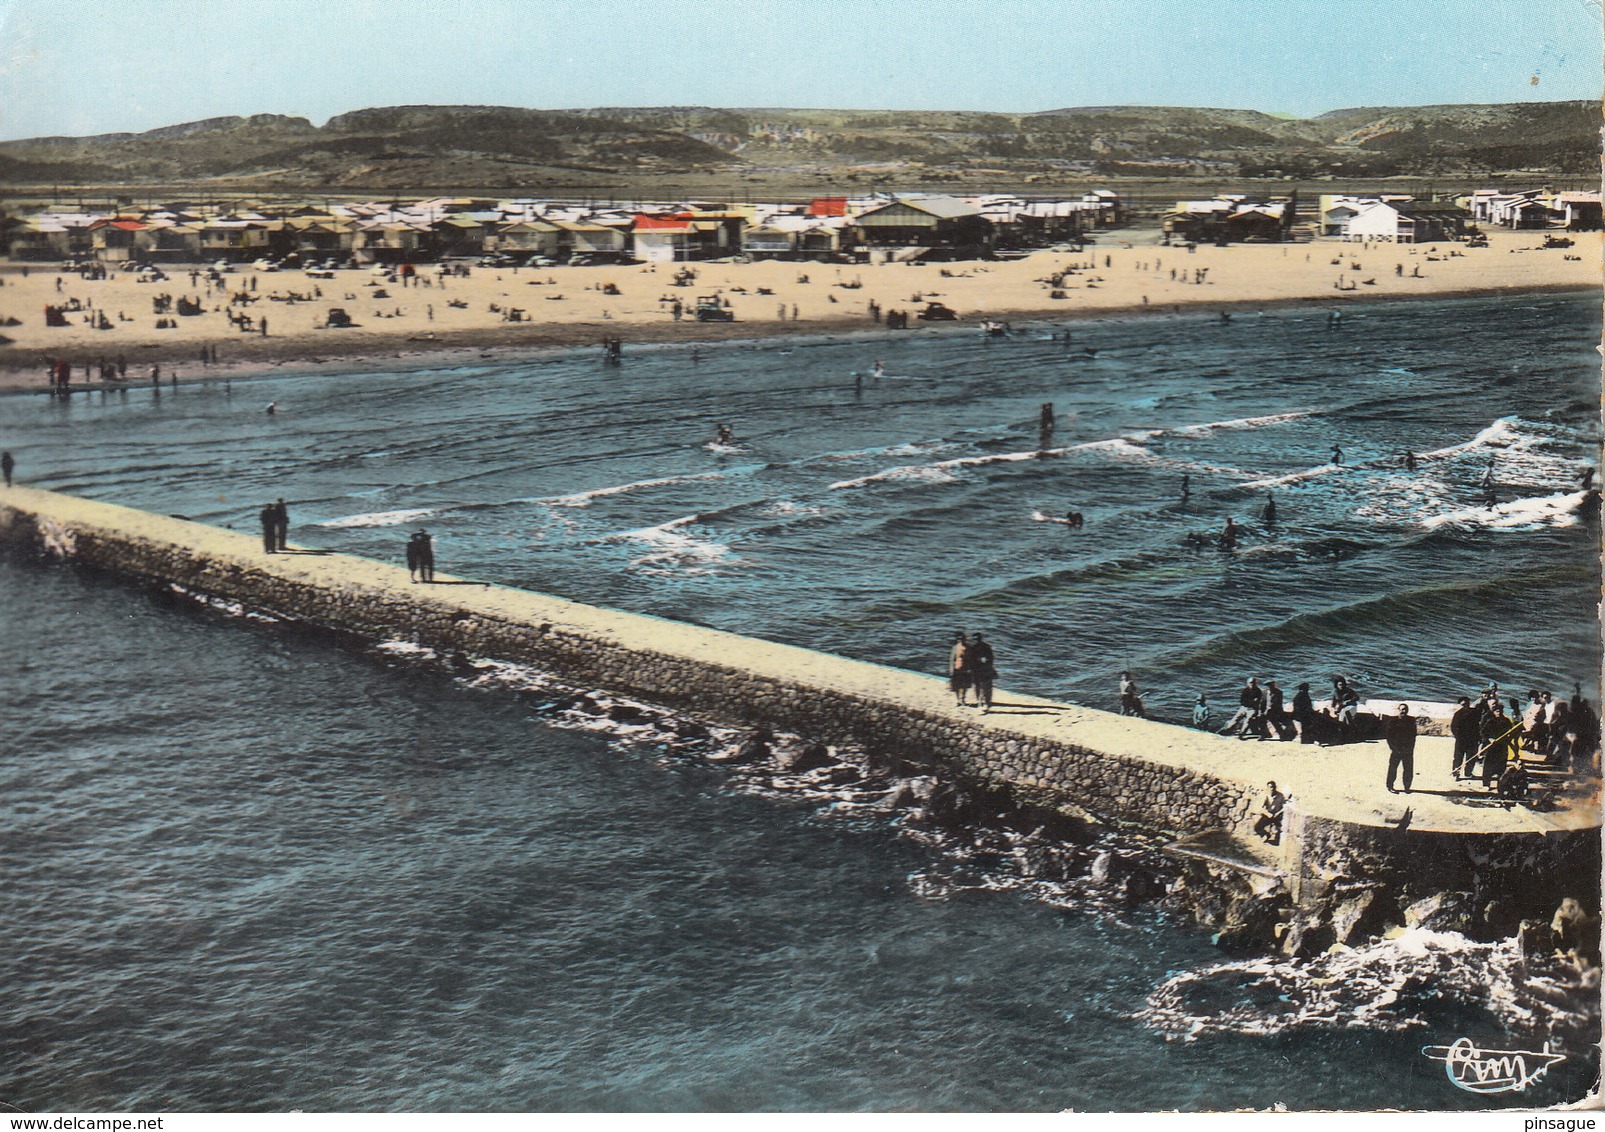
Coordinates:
[275,519]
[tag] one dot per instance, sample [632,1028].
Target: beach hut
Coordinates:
[587,238]
[529,237]
[929,222]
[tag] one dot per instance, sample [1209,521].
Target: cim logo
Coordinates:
[1492,1070]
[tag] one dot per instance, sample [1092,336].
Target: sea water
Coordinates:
[251,868]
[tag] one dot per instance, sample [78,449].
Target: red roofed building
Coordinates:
[114,239]
[828,206]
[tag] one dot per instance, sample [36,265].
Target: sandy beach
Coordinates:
[564,307]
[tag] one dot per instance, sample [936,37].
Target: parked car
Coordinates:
[710,308]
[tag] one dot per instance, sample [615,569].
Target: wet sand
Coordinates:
[567,307]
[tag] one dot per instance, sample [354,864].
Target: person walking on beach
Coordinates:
[1400,732]
[983,671]
[281,525]
[958,668]
[270,527]
[1463,725]
[426,556]
[8,464]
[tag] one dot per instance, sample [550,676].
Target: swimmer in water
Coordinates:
[1270,508]
[724,435]
[1228,536]
[879,369]
[1409,460]
[1587,481]
[1337,454]
[273,407]
[1186,486]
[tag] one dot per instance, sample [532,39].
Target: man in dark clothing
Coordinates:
[1276,712]
[413,557]
[281,525]
[270,528]
[1463,725]
[1251,702]
[1400,731]
[426,557]
[1498,734]
[1304,713]
[983,671]
[7,465]
[1271,807]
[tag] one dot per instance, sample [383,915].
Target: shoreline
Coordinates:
[376,351]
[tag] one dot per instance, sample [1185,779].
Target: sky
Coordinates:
[79,67]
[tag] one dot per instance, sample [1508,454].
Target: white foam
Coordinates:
[1378,987]
[675,549]
[1242,422]
[585,498]
[919,473]
[1516,515]
[406,649]
[378,518]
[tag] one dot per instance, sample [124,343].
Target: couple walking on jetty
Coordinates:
[971,667]
[275,527]
[421,557]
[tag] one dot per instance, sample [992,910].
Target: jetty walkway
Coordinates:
[1084,762]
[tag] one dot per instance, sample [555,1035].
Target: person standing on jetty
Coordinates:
[281,525]
[983,671]
[270,527]
[414,559]
[1463,725]
[8,464]
[1400,732]
[426,556]
[958,668]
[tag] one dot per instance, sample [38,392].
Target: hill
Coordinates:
[408,147]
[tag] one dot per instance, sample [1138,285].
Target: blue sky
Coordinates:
[97,66]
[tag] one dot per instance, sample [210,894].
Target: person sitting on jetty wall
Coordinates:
[1250,702]
[983,671]
[1130,698]
[1271,809]
[1277,721]
[958,668]
[1303,714]
[1201,713]
[1345,701]
[1400,732]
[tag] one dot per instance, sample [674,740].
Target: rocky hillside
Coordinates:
[407,147]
